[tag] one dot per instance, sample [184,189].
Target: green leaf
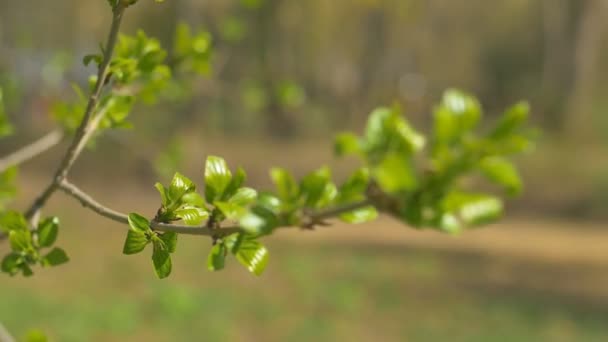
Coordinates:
[244,197]
[238,179]
[387,131]
[192,215]
[55,257]
[473,209]
[252,223]
[513,119]
[502,172]
[232,211]
[135,242]
[286,185]
[217,178]
[316,188]
[47,232]
[347,144]
[395,173]
[163,194]
[458,114]
[359,216]
[26,270]
[12,220]
[193,199]
[20,240]
[180,185]
[252,254]
[170,241]
[11,263]
[355,187]
[161,258]
[138,223]
[217,257]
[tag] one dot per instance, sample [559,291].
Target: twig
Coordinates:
[32,150]
[87,127]
[88,202]
[204,230]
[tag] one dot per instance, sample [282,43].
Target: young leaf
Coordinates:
[193,199]
[20,240]
[11,263]
[55,257]
[395,173]
[217,178]
[217,257]
[135,242]
[138,223]
[502,172]
[252,223]
[161,260]
[12,220]
[192,215]
[359,216]
[163,194]
[47,232]
[180,185]
[317,189]
[238,179]
[347,144]
[457,114]
[232,211]
[252,254]
[170,241]
[511,121]
[244,196]
[473,209]
[355,187]
[287,187]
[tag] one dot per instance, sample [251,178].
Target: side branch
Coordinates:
[32,150]
[86,128]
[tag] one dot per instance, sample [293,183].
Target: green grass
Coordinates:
[320,293]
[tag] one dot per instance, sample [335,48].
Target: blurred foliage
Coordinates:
[284,67]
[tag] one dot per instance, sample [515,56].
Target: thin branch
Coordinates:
[32,150]
[204,230]
[88,202]
[87,127]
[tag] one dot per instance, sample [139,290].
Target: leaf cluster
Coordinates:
[30,247]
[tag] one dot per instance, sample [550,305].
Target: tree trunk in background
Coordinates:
[555,82]
[580,121]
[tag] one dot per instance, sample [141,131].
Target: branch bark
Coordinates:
[32,150]
[89,121]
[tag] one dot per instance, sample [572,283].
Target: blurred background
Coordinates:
[286,75]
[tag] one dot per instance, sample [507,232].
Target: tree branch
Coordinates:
[32,150]
[204,230]
[87,127]
[88,202]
